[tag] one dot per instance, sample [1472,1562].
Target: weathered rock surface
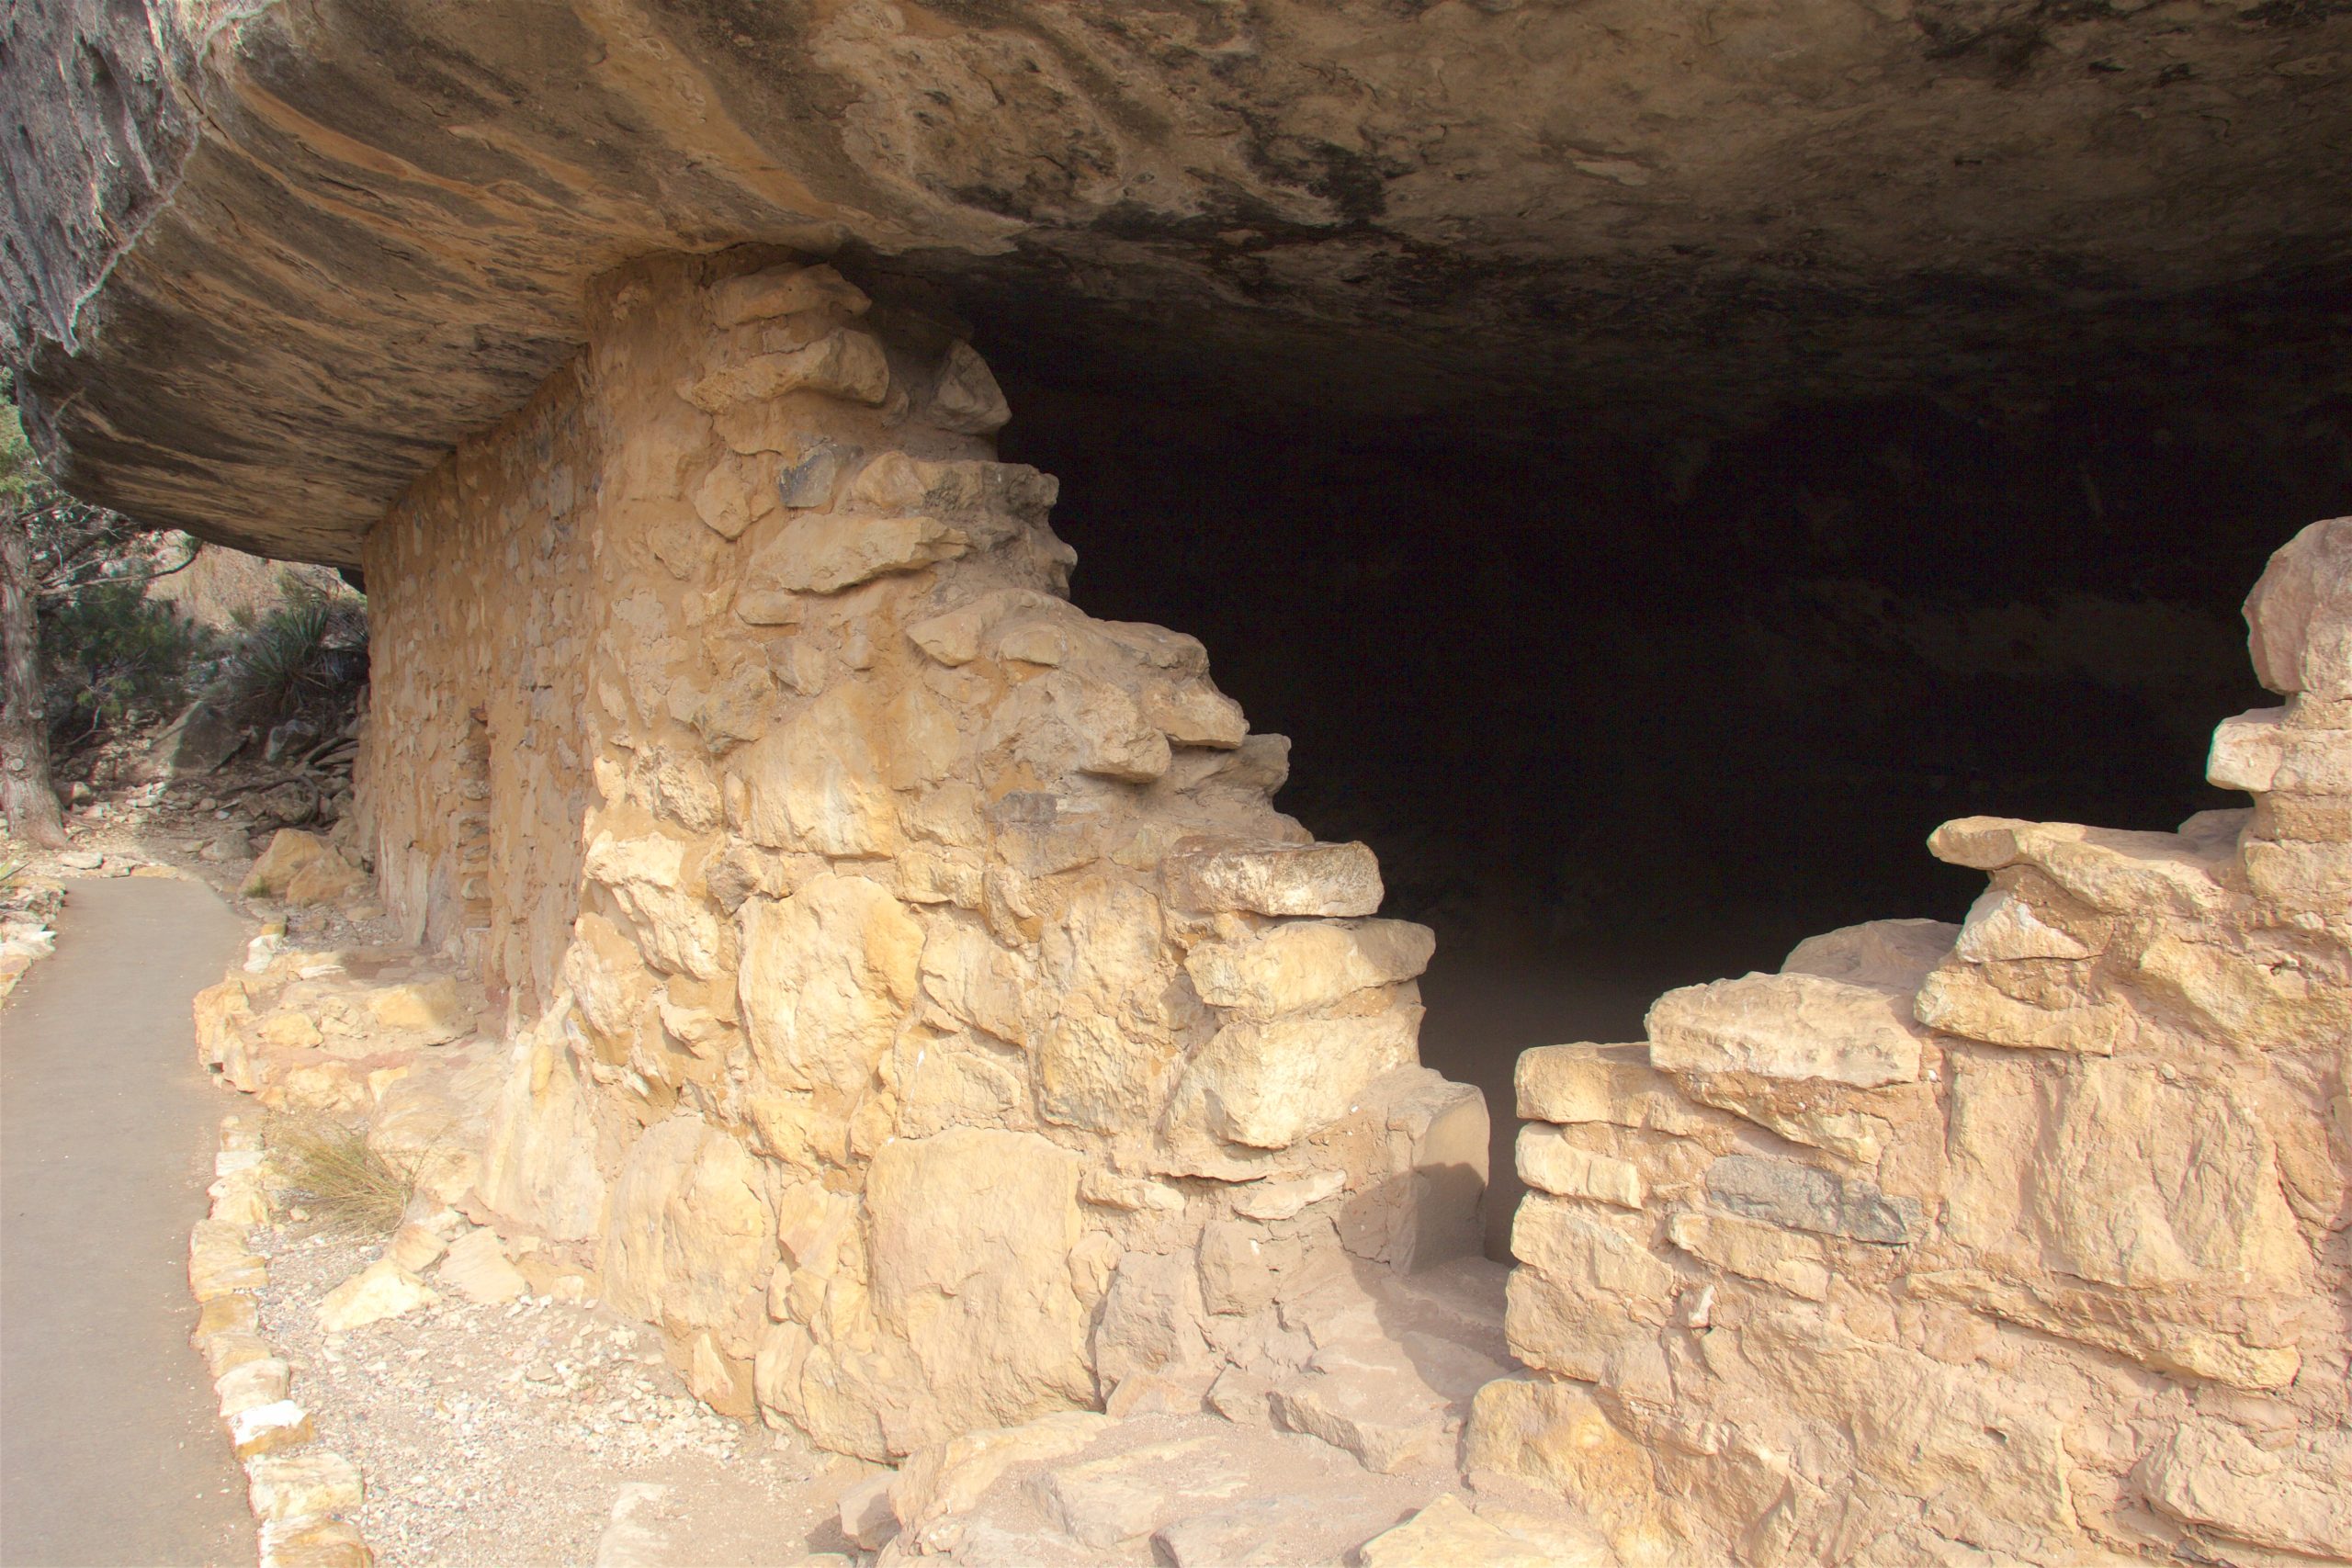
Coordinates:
[1384,209]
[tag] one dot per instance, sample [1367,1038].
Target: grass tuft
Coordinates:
[346,1185]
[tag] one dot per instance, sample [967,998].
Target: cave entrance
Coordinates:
[1619,716]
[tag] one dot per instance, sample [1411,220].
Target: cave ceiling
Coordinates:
[263,264]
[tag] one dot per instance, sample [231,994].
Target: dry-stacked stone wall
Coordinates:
[912,985]
[2025,1237]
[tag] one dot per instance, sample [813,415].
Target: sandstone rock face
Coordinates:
[908,984]
[2022,1237]
[1431,189]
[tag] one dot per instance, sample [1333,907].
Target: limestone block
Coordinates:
[314,1482]
[1856,1124]
[2299,876]
[1193,713]
[1615,1084]
[1550,1163]
[382,1290]
[968,493]
[2193,1195]
[648,878]
[289,1031]
[228,1350]
[865,1512]
[965,398]
[731,498]
[1553,1435]
[270,1428]
[1986,1453]
[1284,1200]
[2003,927]
[2300,615]
[846,364]
[290,850]
[1234,1275]
[969,1236]
[433,1010]
[2142,1328]
[689,1235]
[610,984]
[1958,1000]
[311,1541]
[1151,1317]
[1754,1250]
[2293,1497]
[977,981]
[1895,955]
[2266,750]
[249,1385]
[1305,964]
[1790,1026]
[477,1268]
[827,552]
[956,1081]
[1206,876]
[1593,1252]
[1448,1532]
[815,783]
[415,1248]
[540,1162]
[1267,1085]
[733,711]
[1802,1198]
[1062,723]
[219,1262]
[1125,1497]
[785,292]
[828,976]
[719,1380]
[941,1483]
[2259,991]
[2110,869]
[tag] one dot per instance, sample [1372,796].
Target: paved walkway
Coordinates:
[109,1449]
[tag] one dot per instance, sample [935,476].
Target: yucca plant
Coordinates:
[298,656]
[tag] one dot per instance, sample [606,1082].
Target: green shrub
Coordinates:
[113,657]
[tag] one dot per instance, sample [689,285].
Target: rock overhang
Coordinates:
[267,266]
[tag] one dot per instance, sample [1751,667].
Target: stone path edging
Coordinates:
[303,1494]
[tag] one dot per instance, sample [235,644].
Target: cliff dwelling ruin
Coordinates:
[1485,729]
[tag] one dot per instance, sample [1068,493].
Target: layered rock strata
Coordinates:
[2022,1237]
[911,984]
[267,262]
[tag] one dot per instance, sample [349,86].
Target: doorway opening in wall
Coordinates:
[470,845]
[1628,714]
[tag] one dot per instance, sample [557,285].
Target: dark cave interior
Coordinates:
[1626,714]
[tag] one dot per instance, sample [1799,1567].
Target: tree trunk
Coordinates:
[27,798]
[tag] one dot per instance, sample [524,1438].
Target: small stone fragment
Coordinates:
[381,1290]
[476,1269]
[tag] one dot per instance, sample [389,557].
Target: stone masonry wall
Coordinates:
[476,769]
[2019,1240]
[909,981]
